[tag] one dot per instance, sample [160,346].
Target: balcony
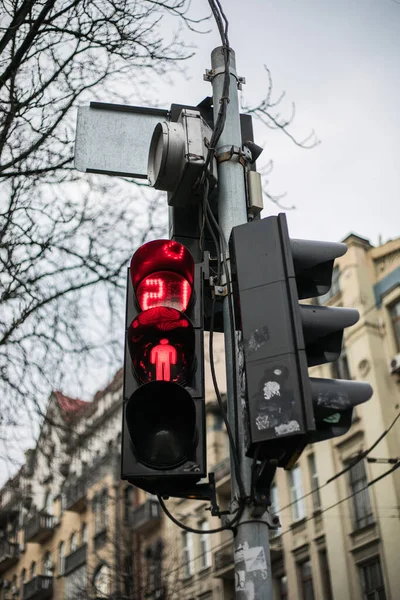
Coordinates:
[39,528]
[76,559]
[146,517]
[9,505]
[75,496]
[223,561]
[38,588]
[9,554]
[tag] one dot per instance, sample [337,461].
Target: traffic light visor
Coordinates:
[161,419]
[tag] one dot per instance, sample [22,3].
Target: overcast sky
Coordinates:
[339,62]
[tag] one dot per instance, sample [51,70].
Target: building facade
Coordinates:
[71,529]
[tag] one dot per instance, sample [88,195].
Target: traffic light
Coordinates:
[163,441]
[282,338]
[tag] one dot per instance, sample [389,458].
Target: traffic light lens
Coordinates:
[161,419]
[164,288]
[161,344]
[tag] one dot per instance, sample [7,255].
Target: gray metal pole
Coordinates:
[253,579]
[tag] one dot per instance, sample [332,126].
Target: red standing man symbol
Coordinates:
[163,356]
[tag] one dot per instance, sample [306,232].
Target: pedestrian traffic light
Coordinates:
[282,338]
[163,444]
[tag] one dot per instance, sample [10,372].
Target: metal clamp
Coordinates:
[211,73]
[229,154]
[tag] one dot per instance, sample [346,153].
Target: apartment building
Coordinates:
[70,529]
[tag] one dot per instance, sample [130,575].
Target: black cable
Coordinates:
[231,315]
[365,453]
[211,354]
[201,531]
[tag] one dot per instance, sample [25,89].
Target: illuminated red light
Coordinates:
[164,288]
[163,356]
[163,259]
[161,344]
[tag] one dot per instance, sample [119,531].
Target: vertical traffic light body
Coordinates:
[163,445]
[282,338]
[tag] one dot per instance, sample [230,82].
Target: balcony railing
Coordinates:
[223,561]
[39,528]
[38,588]
[146,516]
[76,559]
[9,554]
[75,496]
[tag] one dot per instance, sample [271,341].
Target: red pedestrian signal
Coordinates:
[164,412]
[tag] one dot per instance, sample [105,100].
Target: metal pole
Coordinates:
[253,579]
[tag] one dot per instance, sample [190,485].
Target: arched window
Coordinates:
[61,558]
[33,569]
[102,582]
[23,578]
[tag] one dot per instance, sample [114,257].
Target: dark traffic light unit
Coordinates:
[163,440]
[282,338]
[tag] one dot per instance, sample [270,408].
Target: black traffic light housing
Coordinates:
[163,431]
[282,338]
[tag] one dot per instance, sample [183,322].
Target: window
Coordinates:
[102,582]
[47,565]
[73,544]
[128,502]
[103,509]
[61,558]
[23,578]
[296,494]
[314,482]
[340,368]
[325,575]
[395,315]
[275,506]
[372,581]
[100,511]
[14,589]
[335,287]
[205,547]
[33,569]
[187,554]
[306,583]
[282,587]
[361,502]
[48,503]
[84,535]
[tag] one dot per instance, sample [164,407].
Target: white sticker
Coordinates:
[240,581]
[255,559]
[271,388]
[287,427]
[262,422]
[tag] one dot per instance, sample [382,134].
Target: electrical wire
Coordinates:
[357,459]
[201,531]
[324,510]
